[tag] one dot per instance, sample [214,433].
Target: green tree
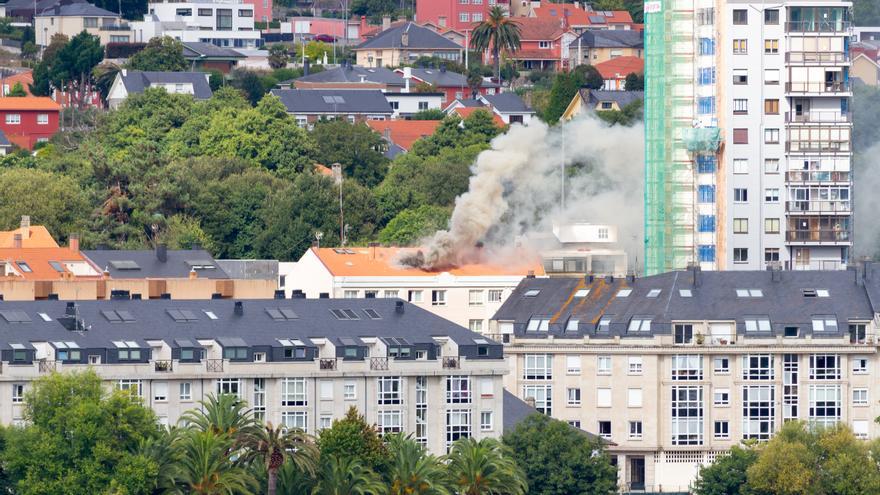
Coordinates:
[249,83]
[429,114]
[374,9]
[273,446]
[17,90]
[68,65]
[356,146]
[162,54]
[184,232]
[412,471]
[727,475]
[866,13]
[497,32]
[478,128]
[205,467]
[278,56]
[635,82]
[485,467]
[351,438]
[131,9]
[566,86]
[223,414]
[414,224]
[558,459]
[608,5]
[51,199]
[346,476]
[628,115]
[76,437]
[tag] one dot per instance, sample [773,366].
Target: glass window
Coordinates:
[759,411]
[635,430]
[17,393]
[721,397]
[574,396]
[185,391]
[757,367]
[486,421]
[771,16]
[543,395]
[721,365]
[458,390]
[687,367]
[824,367]
[825,405]
[538,367]
[603,365]
[160,391]
[635,365]
[293,392]
[687,415]
[458,424]
[860,397]
[475,297]
[389,390]
[740,16]
[722,430]
[297,420]
[859,364]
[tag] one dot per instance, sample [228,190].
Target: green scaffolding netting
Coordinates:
[702,139]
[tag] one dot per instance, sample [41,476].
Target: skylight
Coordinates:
[15,316]
[372,314]
[572,325]
[816,293]
[581,293]
[624,292]
[182,315]
[685,293]
[538,325]
[654,293]
[65,345]
[58,267]
[639,325]
[210,314]
[124,265]
[749,293]
[345,314]
[825,323]
[24,266]
[282,314]
[532,292]
[45,317]
[604,325]
[757,324]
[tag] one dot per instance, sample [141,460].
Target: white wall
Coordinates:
[409,104]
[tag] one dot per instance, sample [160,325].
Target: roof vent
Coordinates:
[119,295]
[324,295]
[162,253]
[279,294]
[52,297]
[165,295]
[398,307]
[216,295]
[136,296]
[70,309]
[239,308]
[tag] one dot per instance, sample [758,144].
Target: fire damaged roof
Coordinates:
[578,307]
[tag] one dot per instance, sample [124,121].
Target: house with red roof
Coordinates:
[29,120]
[456,14]
[543,44]
[401,134]
[614,71]
[580,18]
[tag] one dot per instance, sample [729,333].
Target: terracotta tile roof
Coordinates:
[575,15]
[29,103]
[540,29]
[533,54]
[620,67]
[618,17]
[382,262]
[38,261]
[465,112]
[323,170]
[35,236]
[404,132]
[26,78]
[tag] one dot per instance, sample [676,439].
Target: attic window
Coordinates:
[685,293]
[624,292]
[757,324]
[124,265]
[572,325]
[532,292]
[345,314]
[120,316]
[282,314]
[201,264]
[581,293]
[210,314]
[639,324]
[65,345]
[15,316]
[291,342]
[58,267]
[343,251]
[45,316]
[653,293]
[825,323]
[182,315]
[372,314]
[816,293]
[604,325]
[127,344]
[481,341]
[333,99]
[538,325]
[23,266]
[749,293]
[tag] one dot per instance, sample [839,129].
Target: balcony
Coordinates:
[826,87]
[818,27]
[115,27]
[214,365]
[327,364]
[818,146]
[835,236]
[817,176]
[451,362]
[379,364]
[818,117]
[163,366]
[46,366]
[817,58]
[838,206]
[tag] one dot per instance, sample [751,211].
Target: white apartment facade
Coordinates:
[225,23]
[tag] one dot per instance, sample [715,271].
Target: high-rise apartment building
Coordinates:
[748,122]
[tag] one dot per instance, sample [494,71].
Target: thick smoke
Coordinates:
[867,203]
[516,186]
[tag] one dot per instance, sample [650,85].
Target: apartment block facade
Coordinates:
[748,135]
[677,368]
[301,363]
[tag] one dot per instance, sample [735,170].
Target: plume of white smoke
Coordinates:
[867,202]
[516,189]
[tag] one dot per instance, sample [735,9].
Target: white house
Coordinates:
[226,23]
[129,82]
[406,104]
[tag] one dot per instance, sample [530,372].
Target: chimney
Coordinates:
[124,72]
[298,295]
[70,309]
[370,295]
[73,242]
[407,76]
[192,274]
[386,22]
[631,278]
[162,252]
[165,295]
[404,39]
[589,278]
[279,294]
[530,274]
[398,307]
[52,296]
[324,295]
[26,226]
[387,134]
[609,279]
[16,243]
[239,308]
[530,401]
[136,296]
[696,274]
[372,247]
[363,25]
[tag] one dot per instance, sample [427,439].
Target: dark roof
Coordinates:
[507,102]
[198,50]
[76,9]
[136,81]
[515,411]
[3,141]
[784,301]
[420,38]
[623,98]
[333,101]
[609,38]
[146,264]
[355,74]
[445,79]
[155,320]
[250,269]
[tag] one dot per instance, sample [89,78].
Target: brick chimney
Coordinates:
[363,26]
[26,226]
[193,274]
[16,241]
[73,242]
[386,22]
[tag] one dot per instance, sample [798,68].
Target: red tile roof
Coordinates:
[404,132]
[29,103]
[577,16]
[465,112]
[533,54]
[539,29]
[620,67]
[38,261]
[35,236]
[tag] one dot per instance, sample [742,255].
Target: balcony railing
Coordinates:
[808,236]
[819,206]
[819,58]
[819,117]
[327,364]
[115,27]
[816,176]
[214,365]
[841,146]
[163,366]
[47,366]
[818,87]
[812,26]
[379,363]
[452,362]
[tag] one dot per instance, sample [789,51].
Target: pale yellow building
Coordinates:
[73,18]
[867,70]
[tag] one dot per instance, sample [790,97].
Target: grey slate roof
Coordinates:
[713,298]
[136,81]
[355,74]
[445,79]
[609,38]
[250,269]
[200,50]
[4,142]
[76,9]
[515,411]
[420,38]
[508,103]
[334,101]
[623,98]
[178,263]
[153,320]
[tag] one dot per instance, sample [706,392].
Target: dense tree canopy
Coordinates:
[162,54]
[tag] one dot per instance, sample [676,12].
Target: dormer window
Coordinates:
[757,324]
[20,354]
[293,348]
[639,325]
[235,353]
[824,323]
[67,351]
[572,325]
[127,350]
[538,325]
[749,293]
[604,325]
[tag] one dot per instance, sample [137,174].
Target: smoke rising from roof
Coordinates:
[516,186]
[866,200]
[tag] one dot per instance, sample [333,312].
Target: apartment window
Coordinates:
[183,12]
[463,17]
[573,396]
[458,390]
[706,223]
[860,397]
[759,411]
[771,195]
[295,420]
[634,397]
[231,386]
[475,326]
[486,421]
[573,365]
[185,391]
[757,324]
[575,423]
[245,13]
[635,365]
[740,106]
[687,367]
[771,107]
[825,405]
[706,164]
[494,296]
[706,253]
[605,429]
[326,389]
[258,405]
[790,374]
[603,365]
[771,47]
[707,47]
[740,225]
[771,255]
[293,392]
[414,296]
[389,422]
[824,367]
[349,391]
[824,324]
[740,195]
[350,294]
[324,422]
[740,16]
[131,385]
[17,393]
[740,47]
[740,136]
[859,365]
[538,367]
[603,397]
[206,12]
[706,75]
[475,298]
[544,44]
[635,430]
[160,391]
[771,16]
[705,193]
[389,390]
[860,428]
[721,365]
[13,118]
[458,425]
[706,105]
[721,397]
[771,76]
[43,118]
[438,298]
[722,430]
[683,334]
[771,225]
[543,395]
[757,367]
[771,136]
[771,165]
[687,415]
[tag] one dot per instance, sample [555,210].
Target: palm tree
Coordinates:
[484,468]
[275,445]
[412,471]
[346,476]
[225,414]
[162,451]
[497,32]
[206,469]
